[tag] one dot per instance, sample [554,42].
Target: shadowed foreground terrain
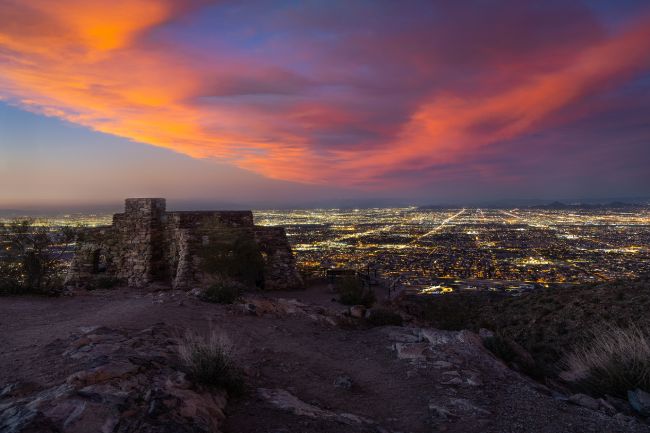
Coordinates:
[549,322]
[105,361]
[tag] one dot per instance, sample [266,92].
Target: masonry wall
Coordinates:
[139,235]
[95,257]
[146,244]
[280,272]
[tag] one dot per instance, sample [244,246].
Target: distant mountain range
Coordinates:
[557,205]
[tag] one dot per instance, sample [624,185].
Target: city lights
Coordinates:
[435,251]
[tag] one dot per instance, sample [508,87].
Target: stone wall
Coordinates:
[280,270]
[94,257]
[146,244]
[139,234]
[187,232]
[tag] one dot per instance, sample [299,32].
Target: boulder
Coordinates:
[607,407]
[344,382]
[440,411]
[112,370]
[467,406]
[485,333]
[585,401]
[623,419]
[640,401]
[286,401]
[619,404]
[358,311]
[453,381]
[436,337]
[415,351]
[403,337]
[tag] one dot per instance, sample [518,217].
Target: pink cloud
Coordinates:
[366,106]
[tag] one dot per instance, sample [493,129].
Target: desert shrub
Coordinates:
[383,317]
[353,292]
[209,362]
[221,293]
[613,361]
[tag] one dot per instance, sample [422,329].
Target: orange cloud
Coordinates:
[91,64]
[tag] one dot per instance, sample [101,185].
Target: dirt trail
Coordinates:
[306,375]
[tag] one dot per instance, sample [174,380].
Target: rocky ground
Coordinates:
[105,361]
[122,382]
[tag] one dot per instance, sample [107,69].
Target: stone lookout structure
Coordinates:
[146,244]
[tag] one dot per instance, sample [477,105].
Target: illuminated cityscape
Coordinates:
[443,250]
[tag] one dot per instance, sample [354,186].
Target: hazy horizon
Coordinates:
[179,204]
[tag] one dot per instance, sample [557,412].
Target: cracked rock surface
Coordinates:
[126,381]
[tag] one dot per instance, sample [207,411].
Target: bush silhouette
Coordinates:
[352,292]
[221,293]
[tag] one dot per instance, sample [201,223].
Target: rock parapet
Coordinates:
[147,244]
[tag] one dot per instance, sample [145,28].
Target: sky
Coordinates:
[310,103]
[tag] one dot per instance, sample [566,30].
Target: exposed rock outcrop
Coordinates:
[284,400]
[127,382]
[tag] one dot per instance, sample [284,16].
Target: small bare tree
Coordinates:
[33,256]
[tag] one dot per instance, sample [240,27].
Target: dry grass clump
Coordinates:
[209,361]
[613,361]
